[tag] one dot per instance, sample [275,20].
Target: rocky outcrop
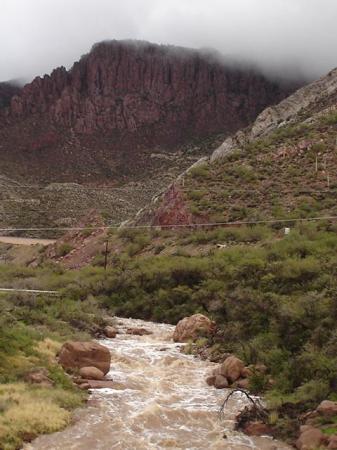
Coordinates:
[124,86]
[173,209]
[76,355]
[126,98]
[193,327]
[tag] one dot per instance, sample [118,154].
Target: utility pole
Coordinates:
[106,254]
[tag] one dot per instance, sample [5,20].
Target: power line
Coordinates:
[31,291]
[123,189]
[75,187]
[177,225]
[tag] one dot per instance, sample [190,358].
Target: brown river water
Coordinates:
[160,401]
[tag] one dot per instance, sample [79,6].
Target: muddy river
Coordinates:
[160,401]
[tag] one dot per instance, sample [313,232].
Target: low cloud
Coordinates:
[284,37]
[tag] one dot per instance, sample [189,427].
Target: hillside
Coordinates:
[283,166]
[59,205]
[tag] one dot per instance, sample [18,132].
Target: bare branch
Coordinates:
[256,407]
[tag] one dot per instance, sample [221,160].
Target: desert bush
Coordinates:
[64,249]
[200,171]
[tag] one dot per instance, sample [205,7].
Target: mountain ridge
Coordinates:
[123,100]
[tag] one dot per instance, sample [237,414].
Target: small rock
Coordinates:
[220,382]
[332,442]
[110,332]
[261,368]
[210,380]
[91,373]
[243,383]
[39,376]
[217,371]
[246,372]
[138,331]
[100,384]
[84,386]
[257,429]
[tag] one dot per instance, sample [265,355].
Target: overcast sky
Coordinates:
[39,35]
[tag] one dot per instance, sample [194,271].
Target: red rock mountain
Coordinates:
[101,119]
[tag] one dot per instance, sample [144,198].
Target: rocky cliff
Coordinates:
[123,100]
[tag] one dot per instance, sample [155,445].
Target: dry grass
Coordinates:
[48,348]
[27,412]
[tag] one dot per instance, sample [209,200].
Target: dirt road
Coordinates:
[25,241]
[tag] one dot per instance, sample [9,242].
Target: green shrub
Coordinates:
[64,249]
[200,171]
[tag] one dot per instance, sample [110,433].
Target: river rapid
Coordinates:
[160,401]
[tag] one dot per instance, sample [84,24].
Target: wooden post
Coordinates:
[106,254]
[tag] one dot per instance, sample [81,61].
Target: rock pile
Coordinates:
[232,372]
[319,430]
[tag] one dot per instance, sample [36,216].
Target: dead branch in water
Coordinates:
[256,409]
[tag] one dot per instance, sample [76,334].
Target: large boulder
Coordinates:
[327,408]
[193,327]
[310,438]
[231,368]
[75,355]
